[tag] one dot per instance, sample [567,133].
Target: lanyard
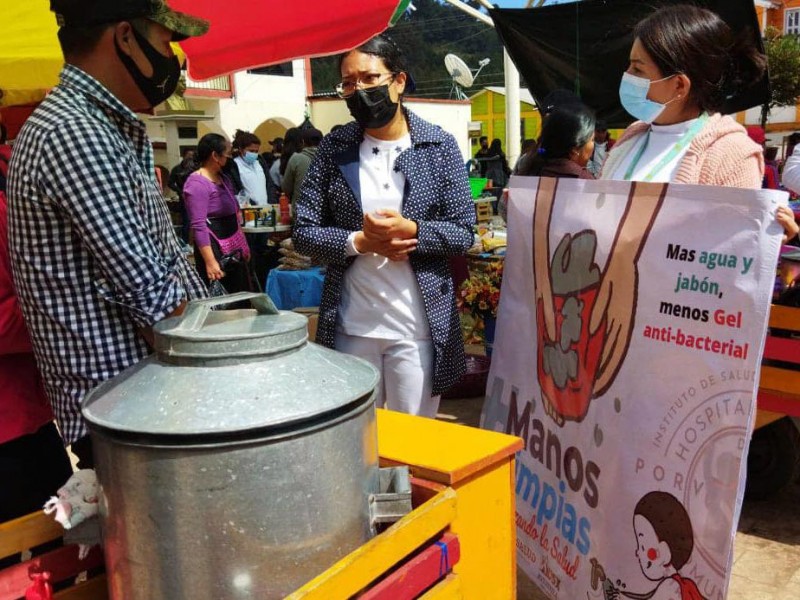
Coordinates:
[675,151]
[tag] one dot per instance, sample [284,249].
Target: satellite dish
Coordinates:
[462,75]
[459,71]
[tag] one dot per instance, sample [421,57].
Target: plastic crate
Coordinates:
[473,383]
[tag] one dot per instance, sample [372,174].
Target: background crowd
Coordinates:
[383,201]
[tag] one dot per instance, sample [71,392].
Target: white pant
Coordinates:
[406,368]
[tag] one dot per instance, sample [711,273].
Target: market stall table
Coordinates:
[267,228]
[293,289]
[263,241]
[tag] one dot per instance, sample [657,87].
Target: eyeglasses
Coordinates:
[345,89]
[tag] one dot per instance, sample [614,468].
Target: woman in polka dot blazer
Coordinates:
[385,204]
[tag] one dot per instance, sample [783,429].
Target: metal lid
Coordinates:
[203,334]
[229,372]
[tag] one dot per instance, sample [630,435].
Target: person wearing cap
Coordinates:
[95,259]
[268,158]
[385,204]
[298,164]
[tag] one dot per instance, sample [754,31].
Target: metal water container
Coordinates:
[239,461]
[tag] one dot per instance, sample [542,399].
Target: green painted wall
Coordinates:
[489,109]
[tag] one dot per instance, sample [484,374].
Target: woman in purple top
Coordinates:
[214,214]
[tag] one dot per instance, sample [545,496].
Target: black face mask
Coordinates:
[166,71]
[373,108]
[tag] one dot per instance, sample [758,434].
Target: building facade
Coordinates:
[784,15]
[269,101]
[489,116]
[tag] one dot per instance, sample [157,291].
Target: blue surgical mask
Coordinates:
[633,92]
[250,158]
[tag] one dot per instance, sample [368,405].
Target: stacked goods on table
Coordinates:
[291,260]
[490,240]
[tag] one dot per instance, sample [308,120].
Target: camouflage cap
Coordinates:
[182,25]
[86,13]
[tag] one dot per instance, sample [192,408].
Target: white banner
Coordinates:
[631,326]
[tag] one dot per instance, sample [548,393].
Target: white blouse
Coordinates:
[381,298]
[660,140]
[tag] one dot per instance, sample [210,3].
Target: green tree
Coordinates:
[783,59]
[426,35]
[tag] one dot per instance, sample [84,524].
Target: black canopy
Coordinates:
[584,47]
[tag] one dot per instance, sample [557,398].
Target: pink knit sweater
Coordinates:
[721,154]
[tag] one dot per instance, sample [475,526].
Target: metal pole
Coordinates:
[471,11]
[513,141]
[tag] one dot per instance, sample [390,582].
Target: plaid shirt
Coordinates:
[94,255]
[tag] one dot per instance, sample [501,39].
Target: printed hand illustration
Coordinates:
[616,301]
[541,254]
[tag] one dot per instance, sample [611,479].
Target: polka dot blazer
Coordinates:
[436,196]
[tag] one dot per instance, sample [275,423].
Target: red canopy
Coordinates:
[254,33]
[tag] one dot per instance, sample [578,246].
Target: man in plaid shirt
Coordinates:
[94,256]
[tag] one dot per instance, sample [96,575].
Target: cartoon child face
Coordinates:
[654,556]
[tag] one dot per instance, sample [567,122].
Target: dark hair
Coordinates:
[696,42]
[483,138]
[496,147]
[529,145]
[794,138]
[311,136]
[77,42]
[559,98]
[208,144]
[3,134]
[243,139]
[771,153]
[164,175]
[563,129]
[389,52]
[292,143]
[671,523]
[384,48]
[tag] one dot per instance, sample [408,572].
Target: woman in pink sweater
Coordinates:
[685,61]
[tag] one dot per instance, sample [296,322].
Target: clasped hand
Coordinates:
[387,233]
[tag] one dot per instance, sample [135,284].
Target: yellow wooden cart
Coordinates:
[774,451]
[458,542]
